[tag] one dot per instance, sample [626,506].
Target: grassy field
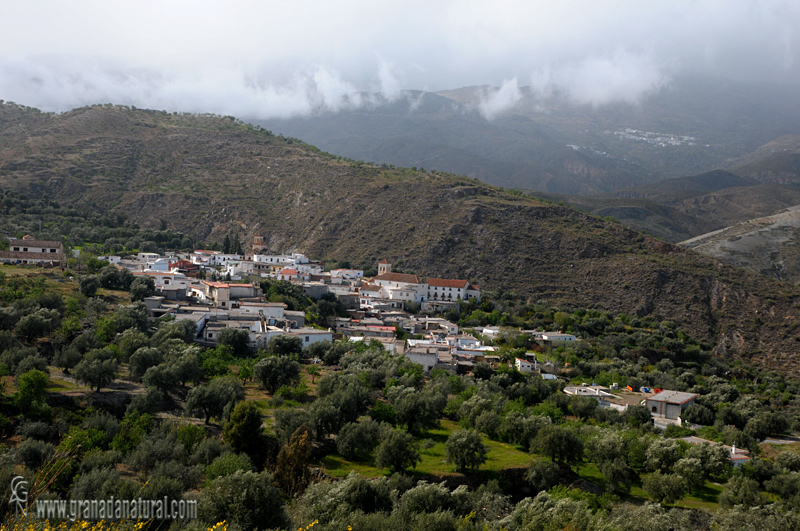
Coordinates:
[500,456]
[705,498]
[590,472]
[16,270]
[771,451]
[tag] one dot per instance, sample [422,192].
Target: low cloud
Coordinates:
[60,84]
[497,101]
[620,77]
[388,85]
[267,59]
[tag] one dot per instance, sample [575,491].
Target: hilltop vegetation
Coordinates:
[208,177]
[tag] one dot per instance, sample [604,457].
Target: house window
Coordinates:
[655,410]
[307,339]
[25,249]
[16,248]
[52,250]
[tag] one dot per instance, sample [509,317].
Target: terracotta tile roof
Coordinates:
[369,287]
[448,283]
[215,284]
[384,261]
[185,264]
[30,242]
[398,277]
[225,284]
[288,271]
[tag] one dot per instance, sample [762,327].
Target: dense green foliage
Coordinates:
[107,233]
[369,409]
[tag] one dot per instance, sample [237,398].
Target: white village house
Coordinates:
[670,404]
[29,250]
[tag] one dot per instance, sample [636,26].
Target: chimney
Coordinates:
[733,449]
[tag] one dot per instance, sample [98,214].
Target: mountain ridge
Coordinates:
[210,175]
[552,144]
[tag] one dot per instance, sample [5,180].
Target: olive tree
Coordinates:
[244,498]
[31,389]
[356,437]
[237,339]
[273,372]
[211,398]
[98,368]
[559,443]
[465,450]
[397,451]
[665,488]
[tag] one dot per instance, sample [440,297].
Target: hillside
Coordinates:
[429,131]
[672,188]
[777,161]
[767,245]
[553,145]
[209,175]
[682,208]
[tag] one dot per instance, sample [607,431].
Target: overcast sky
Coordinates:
[266,59]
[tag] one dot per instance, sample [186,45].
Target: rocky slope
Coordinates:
[679,209]
[209,175]
[777,161]
[768,245]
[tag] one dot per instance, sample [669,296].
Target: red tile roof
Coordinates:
[28,241]
[225,284]
[369,287]
[185,264]
[448,283]
[398,277]
[288,271]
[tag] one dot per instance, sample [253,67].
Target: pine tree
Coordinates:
[291,473]
[236,245]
